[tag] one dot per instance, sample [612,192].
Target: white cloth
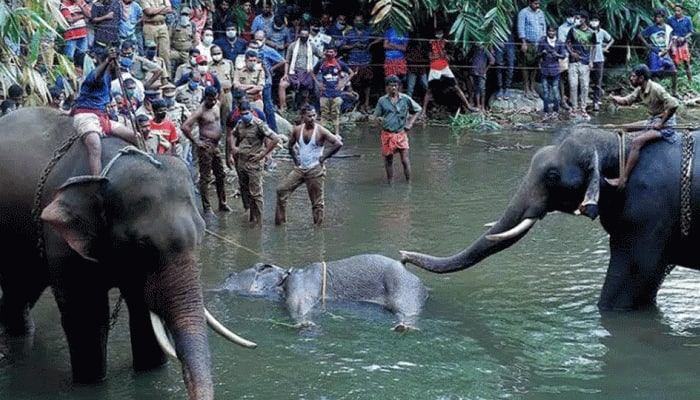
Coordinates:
[295,53]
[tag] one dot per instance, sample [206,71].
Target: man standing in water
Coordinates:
[208,118]
[306,146]
[394,108]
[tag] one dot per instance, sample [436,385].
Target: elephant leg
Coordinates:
[19,294]
[635,273]
[85,317]
[145,351]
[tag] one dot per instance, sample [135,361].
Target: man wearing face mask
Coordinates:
[126,59]
[154,26]
[187,67]
[231,44]
[572,19]
[208,119]
[208,79]
[144,67]
[177,113]
[162,128]
[222,69]
[251,78]
[182,36]
[191,92]
[357,44]
[302,57]
[205,46]
[147,106]
[337,31]
[247,146]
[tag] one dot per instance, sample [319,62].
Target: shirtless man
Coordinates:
[90,118]
[309,153]
[208,118]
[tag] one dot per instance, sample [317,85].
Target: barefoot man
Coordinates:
[207,116]
[662,108]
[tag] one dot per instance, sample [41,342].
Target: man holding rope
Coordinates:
[90,117]
[662,108]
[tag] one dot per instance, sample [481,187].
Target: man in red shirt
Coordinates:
[76,34]
[440,75]
[162,128]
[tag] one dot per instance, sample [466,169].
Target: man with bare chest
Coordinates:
[208,118]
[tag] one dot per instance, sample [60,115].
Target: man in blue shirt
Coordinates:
[682,31]
[531,28]
[331,86]
[231,44]
[357,42]
[90,117]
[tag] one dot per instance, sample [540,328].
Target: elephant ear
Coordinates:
[77,213]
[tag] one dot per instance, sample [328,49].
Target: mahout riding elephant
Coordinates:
[370,278]
[135,227]
[644,221]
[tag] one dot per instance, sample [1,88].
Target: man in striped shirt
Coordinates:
[76,35]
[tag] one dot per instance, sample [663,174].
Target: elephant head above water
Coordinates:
[643,220]
[136,228]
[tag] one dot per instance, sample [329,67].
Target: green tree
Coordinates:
[28,29]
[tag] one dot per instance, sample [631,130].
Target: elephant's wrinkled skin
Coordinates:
[137,229]
[369,278]
[643,221]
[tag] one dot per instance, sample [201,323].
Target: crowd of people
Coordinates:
[191,78]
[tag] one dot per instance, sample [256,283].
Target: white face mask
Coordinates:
[570,20]
[217,57]
[231,34]
[577,21]
[202,69]
[595,24]
[207,40]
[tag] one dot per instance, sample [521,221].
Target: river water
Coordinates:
[520,325]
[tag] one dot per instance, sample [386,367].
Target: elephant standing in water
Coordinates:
[643,221]
[135,227]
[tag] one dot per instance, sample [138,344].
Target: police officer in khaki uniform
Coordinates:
[223,69]
[182,38]
[142,67]
[177,113]
[191,93]
[154,26]
[251,78]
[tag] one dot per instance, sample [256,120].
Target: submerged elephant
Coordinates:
[644,221]
[369,278]
[135,227]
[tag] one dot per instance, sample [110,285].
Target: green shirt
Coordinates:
[394,114]
[654,96]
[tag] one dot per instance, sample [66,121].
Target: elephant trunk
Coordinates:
[177,298]
[519,217]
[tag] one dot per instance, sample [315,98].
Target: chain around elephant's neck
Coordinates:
[687,147]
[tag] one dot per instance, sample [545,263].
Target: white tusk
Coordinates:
[219,328]
[161,336]
[520,228]
[490,224]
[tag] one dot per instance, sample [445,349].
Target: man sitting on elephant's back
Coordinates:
[90,117]
[662,107]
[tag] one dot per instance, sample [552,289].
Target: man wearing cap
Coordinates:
[394,108]
[222,69]
[177,114]
[154,26]
[251,78]
[147,106]
[231,44]
[207,78]
[182,39]
[208,119]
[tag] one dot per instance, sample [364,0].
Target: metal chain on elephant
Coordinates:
[36,209]
[688,145]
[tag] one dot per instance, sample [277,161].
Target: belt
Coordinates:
[154,22]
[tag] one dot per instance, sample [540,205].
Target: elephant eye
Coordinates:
[552,176]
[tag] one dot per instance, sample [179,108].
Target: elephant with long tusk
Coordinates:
[653,223]
[135,227]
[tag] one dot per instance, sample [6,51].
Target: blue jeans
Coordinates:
[411,82]
[75,44]
[269,107]
[505,64]
[550,93]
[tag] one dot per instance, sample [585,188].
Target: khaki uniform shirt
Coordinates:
[181,37]
[224,72]
[145,4]
[654,96]
[250,138]
[141,66]
[189,98]
[246,77]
